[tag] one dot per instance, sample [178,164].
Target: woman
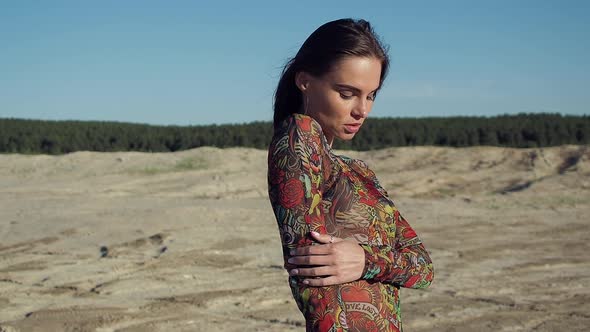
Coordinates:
[346,246]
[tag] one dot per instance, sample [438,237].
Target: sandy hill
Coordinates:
[186,241]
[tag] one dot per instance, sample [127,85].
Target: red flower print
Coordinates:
[291,193]
[315,157]
[409,233]
[302,241]
[326,324]
[304,123]
[413,279]
[366,199]
[355,294]
[373,190]
[396,215]
[279,174]
[371,326]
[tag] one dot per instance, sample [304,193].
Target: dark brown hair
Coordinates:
[327,45]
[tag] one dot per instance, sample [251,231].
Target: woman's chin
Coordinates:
[346,136]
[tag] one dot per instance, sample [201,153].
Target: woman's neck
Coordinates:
[330,139]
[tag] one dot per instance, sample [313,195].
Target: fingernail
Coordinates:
[293,272]
[315,233]
[292,252]
[290,260]
[306,281]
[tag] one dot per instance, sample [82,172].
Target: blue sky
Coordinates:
[203,62]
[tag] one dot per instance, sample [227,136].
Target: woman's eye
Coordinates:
[345,96]
[371,97]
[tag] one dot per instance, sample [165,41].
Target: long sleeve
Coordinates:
[406,263]
[296,183]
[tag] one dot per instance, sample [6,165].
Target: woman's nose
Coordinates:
[361,110]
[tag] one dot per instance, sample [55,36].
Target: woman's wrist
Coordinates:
[367,262]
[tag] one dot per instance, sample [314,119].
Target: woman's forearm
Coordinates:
[409,267]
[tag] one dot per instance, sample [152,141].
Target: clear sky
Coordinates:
[203,62]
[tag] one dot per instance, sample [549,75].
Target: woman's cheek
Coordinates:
[339,107]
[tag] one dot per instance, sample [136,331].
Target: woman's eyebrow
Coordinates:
[341,85]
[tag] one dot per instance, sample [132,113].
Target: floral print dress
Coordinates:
[312,189]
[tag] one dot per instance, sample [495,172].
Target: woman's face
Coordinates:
[341,99]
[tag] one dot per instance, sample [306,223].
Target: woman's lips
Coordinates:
[352,128]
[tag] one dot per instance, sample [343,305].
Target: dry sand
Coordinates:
[190,242]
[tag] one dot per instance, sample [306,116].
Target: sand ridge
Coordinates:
[186,241]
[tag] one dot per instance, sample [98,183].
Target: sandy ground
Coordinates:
[187,241]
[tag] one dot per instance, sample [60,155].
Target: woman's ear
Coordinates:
[302,80]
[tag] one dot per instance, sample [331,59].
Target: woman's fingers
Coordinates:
[325,238]
[322,249]
[329,264]
[332,280]
[312,272]
[311,260]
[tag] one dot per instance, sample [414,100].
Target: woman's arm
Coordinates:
[296,182]
[406,263]
[296,167]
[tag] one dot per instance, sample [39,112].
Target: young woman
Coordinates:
[347,248]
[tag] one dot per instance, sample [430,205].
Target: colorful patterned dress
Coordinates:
[312,189]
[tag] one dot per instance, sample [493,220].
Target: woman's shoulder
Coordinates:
[354,161]
[361,168]
[358,165]
[302,122]
[304,128]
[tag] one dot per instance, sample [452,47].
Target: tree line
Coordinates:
[520,130]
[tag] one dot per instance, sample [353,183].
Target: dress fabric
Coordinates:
[312,189]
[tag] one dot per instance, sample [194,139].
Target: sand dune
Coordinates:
[187,241]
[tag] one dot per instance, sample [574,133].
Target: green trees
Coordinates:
[520,130]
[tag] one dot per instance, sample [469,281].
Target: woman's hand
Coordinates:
[337,261]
